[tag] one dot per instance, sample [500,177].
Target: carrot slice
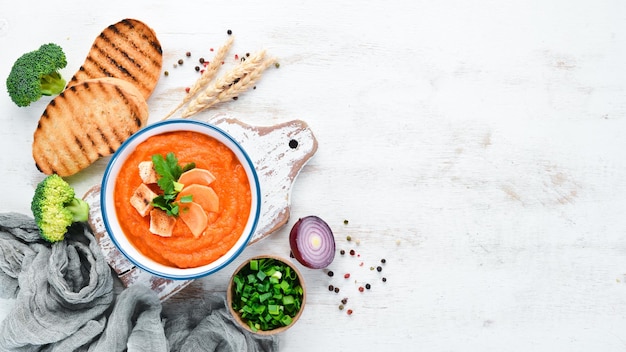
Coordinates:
[196,176]
[203,195]
[194,217]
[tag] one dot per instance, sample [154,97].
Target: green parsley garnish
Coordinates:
[267,294]
[169,172]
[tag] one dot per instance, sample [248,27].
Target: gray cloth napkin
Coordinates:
[65,301]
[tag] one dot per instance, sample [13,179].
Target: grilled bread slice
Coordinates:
[129,50]
[85,122]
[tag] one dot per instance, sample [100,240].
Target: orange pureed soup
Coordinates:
[182,249]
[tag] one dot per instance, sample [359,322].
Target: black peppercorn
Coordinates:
[379,268]
[330,273]
[229,32]
[180,61]
[368,286]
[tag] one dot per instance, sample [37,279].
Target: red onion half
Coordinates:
[312,242]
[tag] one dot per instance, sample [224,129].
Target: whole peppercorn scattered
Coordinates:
[201,60]
[349,312]
[235,98]
[336,289]
[372,268]
[330,273]
[188,53]
[180,61]
[277,65]
[348,238]
[345,300]
[383,260]
[361,289]
[347,275]
[331,288]
[247,54]
[341,307]
[352,252]
[379,268]
[187,89]
[167,73]
[345,222]
[384,279]
[342,252]
[254,87]
[229,32]
[197,68]
[368,286]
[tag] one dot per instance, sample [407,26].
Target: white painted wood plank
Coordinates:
[487,137]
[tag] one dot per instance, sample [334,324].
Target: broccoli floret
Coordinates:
[36,73]
[55,208]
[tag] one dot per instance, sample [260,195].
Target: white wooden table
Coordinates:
[477,146]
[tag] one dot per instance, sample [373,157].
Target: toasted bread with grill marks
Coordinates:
[129,50]
[85,122]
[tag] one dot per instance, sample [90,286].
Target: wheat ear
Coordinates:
[207,76]
[242,85]
[229,79]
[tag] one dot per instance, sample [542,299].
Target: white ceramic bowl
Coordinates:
[110,218]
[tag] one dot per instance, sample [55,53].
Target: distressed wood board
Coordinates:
[278,152]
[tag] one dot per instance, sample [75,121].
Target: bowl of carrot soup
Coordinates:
[180,199]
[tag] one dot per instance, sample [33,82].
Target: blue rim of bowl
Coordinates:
[114,158]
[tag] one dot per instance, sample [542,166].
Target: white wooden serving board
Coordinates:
[278,153]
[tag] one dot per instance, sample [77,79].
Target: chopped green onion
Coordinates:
[186,199]
[288,300]
[273,309]
[178,186]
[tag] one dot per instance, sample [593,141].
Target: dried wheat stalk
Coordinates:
[207,76]
[231,84]
[243,84]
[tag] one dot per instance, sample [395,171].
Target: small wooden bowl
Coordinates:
[243,323]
